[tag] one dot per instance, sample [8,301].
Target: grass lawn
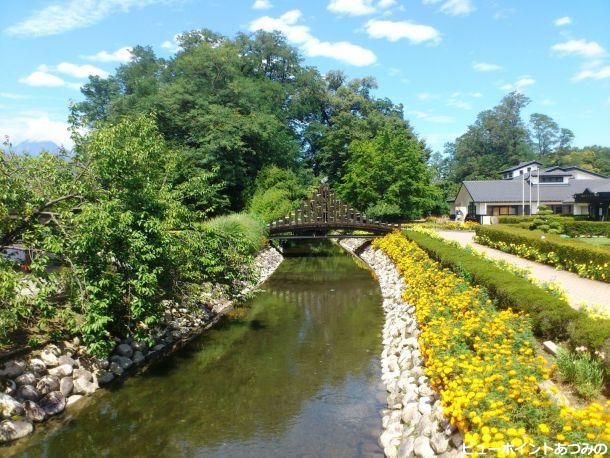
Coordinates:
[597,241]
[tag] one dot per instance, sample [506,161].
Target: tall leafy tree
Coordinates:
[389,168]
[545,132]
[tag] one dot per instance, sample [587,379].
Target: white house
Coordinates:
[526,186]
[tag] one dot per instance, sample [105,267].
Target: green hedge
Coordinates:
[552,317]
[579,257]
[587,228]
[529,218]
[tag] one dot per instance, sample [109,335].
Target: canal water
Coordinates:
[293,372]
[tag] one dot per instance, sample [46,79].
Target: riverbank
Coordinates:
[43,384]
[413,422]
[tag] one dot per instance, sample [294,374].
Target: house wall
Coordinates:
[579,175]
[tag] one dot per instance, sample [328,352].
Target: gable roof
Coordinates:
[511,190]
[520,165]
[573,167]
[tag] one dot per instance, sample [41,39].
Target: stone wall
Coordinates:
[413,422]
[43,384]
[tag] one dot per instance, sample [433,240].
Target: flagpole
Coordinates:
[523,195]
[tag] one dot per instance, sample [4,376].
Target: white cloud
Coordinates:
[63,16]
[602,73]
[300,34]
[566,20]
[453,7]
[476,94]
[36,128]
[424,115]
[522,82]
[171,45]
[547,102]
[81,71]
[579,47]
[396,30]
[351,7]
[485,67]
[458,103]
[43,78]
[120,55]
[262,5]
[386,3]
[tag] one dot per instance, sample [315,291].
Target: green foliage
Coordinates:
[389,168]
[587,228]
[271,205]
[546,221]
[240,226]
[516,219]
[384,212]
[552,317]
[278,191]
[582,370]
[586,260]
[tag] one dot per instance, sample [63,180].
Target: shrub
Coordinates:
[582,370]
[271,205]
[552,317]
[241,226]
[545,221]
[515,219]
[586,260]
[385,211]
[587,228]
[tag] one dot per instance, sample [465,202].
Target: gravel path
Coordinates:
[578,290]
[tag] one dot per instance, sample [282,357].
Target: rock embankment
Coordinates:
[48,381]
[413,422]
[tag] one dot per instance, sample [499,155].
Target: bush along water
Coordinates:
[482,362]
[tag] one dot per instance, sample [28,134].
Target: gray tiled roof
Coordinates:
[510,190]
[519,165]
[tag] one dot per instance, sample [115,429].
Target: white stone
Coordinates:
[53,403]
[47,384]
[11,430]
[61,371]
[33,411]
[49,358]
[421,448]
[9,406]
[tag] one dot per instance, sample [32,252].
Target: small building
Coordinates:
[524,187]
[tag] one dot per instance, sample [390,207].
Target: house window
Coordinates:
[502,210]
[551,179]
[557,209]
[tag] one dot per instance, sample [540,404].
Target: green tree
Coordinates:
[389,168]
[499,138]
[545,132]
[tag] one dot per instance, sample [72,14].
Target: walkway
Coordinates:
[578,290]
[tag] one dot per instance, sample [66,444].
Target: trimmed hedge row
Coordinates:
[579,257]
[587,228]
[527,218]
[552,317]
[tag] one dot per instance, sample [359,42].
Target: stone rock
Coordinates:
[72,399]
[9,406]
[49,358]
[66,385]
[124,350]
[425,390]
[439,443]
[13,369]
[82,374]
[424,408]
[53,403]
[406,447]
[138,357]
[122,361]
[33,411]
[38,366]
[11,430]
[83,386]
[140,346]
[456,439]
[65,359]
[421,447]
[27,378]
[47,384]
[8,386]
[409,412]
[61,371]
[116,369]
[105,377]
[158,347]
[28,392]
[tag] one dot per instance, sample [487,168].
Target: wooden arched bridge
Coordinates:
[324,213]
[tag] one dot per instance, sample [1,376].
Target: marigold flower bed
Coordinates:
[483,364]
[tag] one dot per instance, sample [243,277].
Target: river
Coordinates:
[294,371]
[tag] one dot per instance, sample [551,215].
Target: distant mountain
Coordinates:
[34,148]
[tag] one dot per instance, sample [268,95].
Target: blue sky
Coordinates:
[444,60]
